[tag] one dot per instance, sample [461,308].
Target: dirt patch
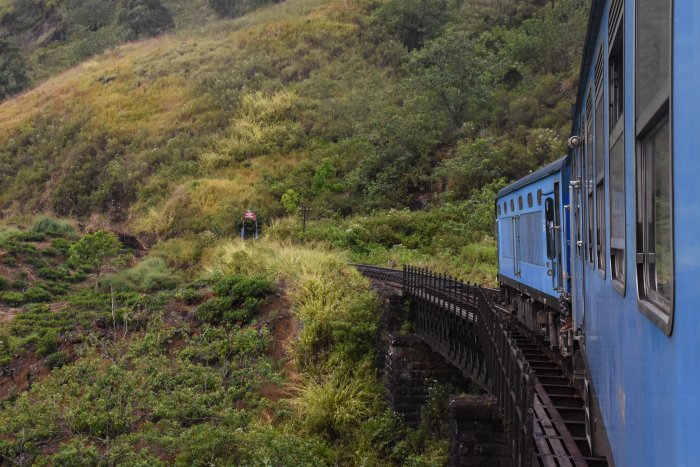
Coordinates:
[20,376]
[284,329]
[6,314]
[275,392]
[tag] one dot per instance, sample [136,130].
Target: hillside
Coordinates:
[41,37]
[258,355]
[174,342]
[346,106]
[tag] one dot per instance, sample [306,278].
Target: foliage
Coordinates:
[290,201]
[144,18]
[12,298]
[147,276]
[233,8]
[13,70]
[94,250]
[352,107]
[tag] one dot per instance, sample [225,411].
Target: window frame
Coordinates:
[589,177]
[658,111]
[599,179]
[616,135]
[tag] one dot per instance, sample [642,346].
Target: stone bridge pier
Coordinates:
[408,366]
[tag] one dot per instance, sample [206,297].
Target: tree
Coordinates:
[13,70]
[145,18]
[225,8]
[233,8]
[460,70]
[290,200]
[413,21]
[94,250]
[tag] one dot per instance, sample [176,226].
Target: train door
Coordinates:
[517,255]
[552,234]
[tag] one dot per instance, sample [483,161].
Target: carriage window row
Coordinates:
[653,161]
[530,203]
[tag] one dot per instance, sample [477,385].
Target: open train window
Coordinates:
[589,179]
[498,206]
[550,223]
[539,197]
[512,205]
[654,161]
[600,254]
[616,161]
[520,202]
[529,200]
[505,207]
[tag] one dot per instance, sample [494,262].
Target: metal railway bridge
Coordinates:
[542,413]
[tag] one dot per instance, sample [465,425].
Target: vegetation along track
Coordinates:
[559,411]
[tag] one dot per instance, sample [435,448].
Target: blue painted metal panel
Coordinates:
[648,383]
[532,271]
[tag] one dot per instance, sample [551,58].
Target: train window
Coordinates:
[529,200]
[601,257]
[498,207]
[505,207]
[588,193]
[616,161]
[539,197]
[654,161]
[512,205]
[549,222]
[520,202]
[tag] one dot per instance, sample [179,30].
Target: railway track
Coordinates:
[559,432]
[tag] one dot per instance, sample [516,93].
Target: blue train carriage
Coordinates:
[635,245]
[533,261]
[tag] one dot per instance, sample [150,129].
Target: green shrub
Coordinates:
[31,236]
[61,244]
[4,283]
[48,343]
[12,298]
[236,316]
[9,260]
[58,274]
[148,276]
[238,288]
[213,311]
[37,294]
[192,296]
[54,228]
[57,359]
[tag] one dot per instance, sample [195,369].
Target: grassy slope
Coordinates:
[212,366]
[180,134]
[141,112]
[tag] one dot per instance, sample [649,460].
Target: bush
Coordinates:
[31,236]
[4,283]
[148,276]
[213,311]
[145,18]
[61,244]
[192,296]
[54,228]
[58,274]
[37,294]
[57,359]
[12,298]
[48,343]
[238,288]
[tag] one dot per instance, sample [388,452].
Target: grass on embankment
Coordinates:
[177,374]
